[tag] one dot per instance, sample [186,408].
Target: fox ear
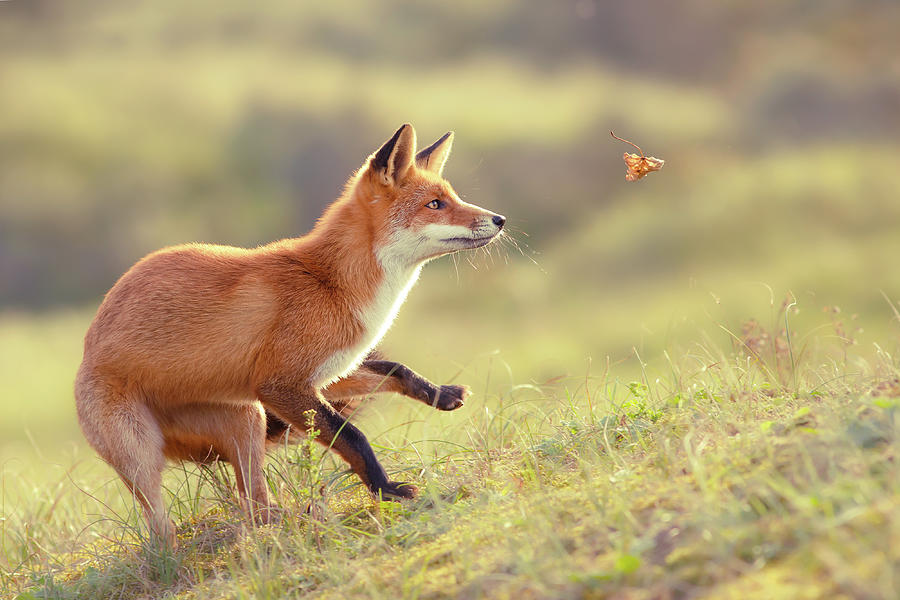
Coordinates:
[393,160]
[434,156]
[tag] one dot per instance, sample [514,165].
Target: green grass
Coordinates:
[763,468]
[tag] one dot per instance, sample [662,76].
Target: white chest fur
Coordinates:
[376,318]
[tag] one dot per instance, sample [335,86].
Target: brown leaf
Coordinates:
[638,166]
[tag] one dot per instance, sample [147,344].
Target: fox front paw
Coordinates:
[396,489]
[450,397]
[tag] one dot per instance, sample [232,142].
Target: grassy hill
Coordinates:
[762,468]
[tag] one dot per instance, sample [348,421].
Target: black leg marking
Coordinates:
[275,427]
[445,397]
[290,403]
[353,441]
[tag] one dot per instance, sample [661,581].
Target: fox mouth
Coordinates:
[469,242]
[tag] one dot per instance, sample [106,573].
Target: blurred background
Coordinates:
[127,126]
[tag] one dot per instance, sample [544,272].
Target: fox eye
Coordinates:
[435,204]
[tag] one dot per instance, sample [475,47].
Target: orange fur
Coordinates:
[196,343]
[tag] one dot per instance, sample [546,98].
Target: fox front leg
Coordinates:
[290,402]
[409,383]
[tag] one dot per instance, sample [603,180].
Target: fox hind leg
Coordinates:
[232,432]
[246,454]
[122,429]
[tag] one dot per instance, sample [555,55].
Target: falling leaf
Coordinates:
[638,166]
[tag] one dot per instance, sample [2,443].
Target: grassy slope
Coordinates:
[725,474]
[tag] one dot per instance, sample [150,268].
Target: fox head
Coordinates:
[415,212]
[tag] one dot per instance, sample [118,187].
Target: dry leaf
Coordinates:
[638,166]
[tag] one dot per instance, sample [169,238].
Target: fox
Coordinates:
[205,352]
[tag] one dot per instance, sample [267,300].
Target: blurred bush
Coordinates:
[125,126]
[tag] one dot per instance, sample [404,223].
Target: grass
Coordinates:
[765,467]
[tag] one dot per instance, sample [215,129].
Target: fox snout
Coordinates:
[491,221]
[491,225]
[483,230]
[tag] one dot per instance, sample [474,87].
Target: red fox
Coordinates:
[203,352]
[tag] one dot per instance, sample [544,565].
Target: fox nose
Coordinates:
[499,220]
